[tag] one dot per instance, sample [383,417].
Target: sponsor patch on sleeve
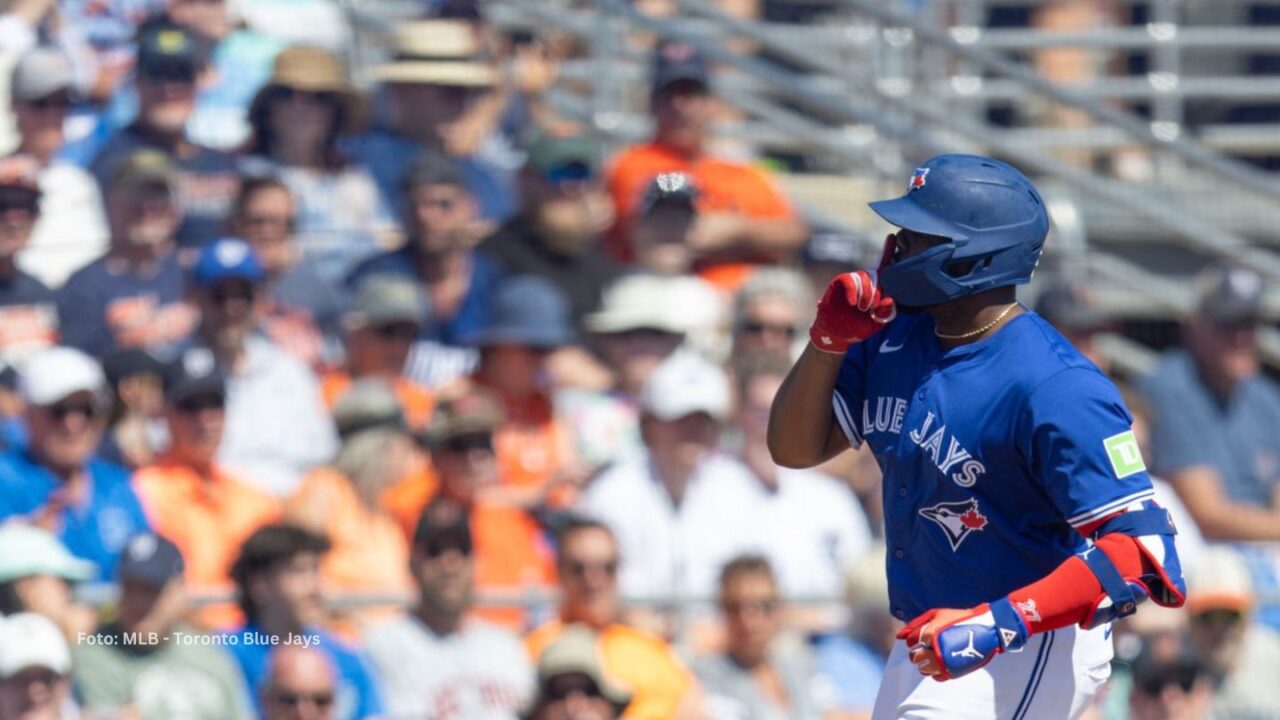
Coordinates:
[1123,452]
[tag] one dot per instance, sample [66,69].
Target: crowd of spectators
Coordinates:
[408,402]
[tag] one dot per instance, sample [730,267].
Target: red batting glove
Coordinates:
[850,311]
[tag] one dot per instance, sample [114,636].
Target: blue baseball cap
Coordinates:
[150,559]
[227,258]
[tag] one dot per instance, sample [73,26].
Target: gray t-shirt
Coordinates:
[176,681]
[732,694]
[1189,427]
[480,673]
[1251,692]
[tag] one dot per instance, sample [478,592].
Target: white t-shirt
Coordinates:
[277,426]
[72,229]
[817,530]
[479,673]
[669,550]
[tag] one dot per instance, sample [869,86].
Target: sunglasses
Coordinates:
[8,205]
[170,73]
[223,294]
[437,546]
[439,203]
[295,699]
[569,173]
[581,569]
[324,96]
[200,403]
[1183,676]
[1218,617]
[468,443]
[738,607]
[61,411]
[565,689]
[57,101]
[752,327]
[397,331]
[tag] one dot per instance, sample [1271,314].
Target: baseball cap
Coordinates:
[573,157]
[435,168]
[677,61]
[1230,294]
[26,550]
[150,559]
[1069,307]
[387,299]
[195,372]
[671,189]
[227,259]
[369,403]
[144,167]
[576,652]
[443,524]
[30,640]
[1219,580]
[54,373]
[474,411]
[130,362]
[527,311]
[684,384]
[41,72]
[169,51]
[835,247]
[636,302]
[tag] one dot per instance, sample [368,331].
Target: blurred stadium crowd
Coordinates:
[321,403]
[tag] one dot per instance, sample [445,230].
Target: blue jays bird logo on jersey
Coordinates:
[958,520]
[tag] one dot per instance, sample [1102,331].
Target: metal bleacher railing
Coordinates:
[879,84]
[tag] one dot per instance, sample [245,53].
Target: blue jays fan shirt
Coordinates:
[993,453]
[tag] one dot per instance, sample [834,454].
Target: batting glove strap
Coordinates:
[850,311]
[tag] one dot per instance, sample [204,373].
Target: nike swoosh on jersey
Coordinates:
[886,348]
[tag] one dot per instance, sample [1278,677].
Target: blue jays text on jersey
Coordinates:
[993,453]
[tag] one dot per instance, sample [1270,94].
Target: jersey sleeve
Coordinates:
[1079,440]
[850,391]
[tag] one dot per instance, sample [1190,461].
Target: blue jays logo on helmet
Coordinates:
[918,179]
[992,216]
[958,520]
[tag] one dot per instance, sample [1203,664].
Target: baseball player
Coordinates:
[1018,512]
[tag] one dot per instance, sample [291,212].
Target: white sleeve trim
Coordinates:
[847,423]
[1089,516]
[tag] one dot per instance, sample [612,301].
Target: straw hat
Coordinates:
[311,69]
[437,52]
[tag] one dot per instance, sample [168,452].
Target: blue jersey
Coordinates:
[993,453]
[96,530]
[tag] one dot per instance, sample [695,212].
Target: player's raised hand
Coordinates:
[850,311]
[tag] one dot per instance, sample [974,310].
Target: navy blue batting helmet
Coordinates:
[991,214]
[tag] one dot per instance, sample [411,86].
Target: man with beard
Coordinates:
[564,210]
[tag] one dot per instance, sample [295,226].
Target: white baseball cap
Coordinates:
[26,550]
[30,640]
[1219,579]
[637,302]
[55,373]
[685,384]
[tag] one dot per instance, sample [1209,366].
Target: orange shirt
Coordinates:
[723,186]
[511,551]
[532,445]
[417,401]
[369,552]
[642,663]
[207,518]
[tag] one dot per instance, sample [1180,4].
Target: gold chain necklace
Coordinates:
[979,331]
